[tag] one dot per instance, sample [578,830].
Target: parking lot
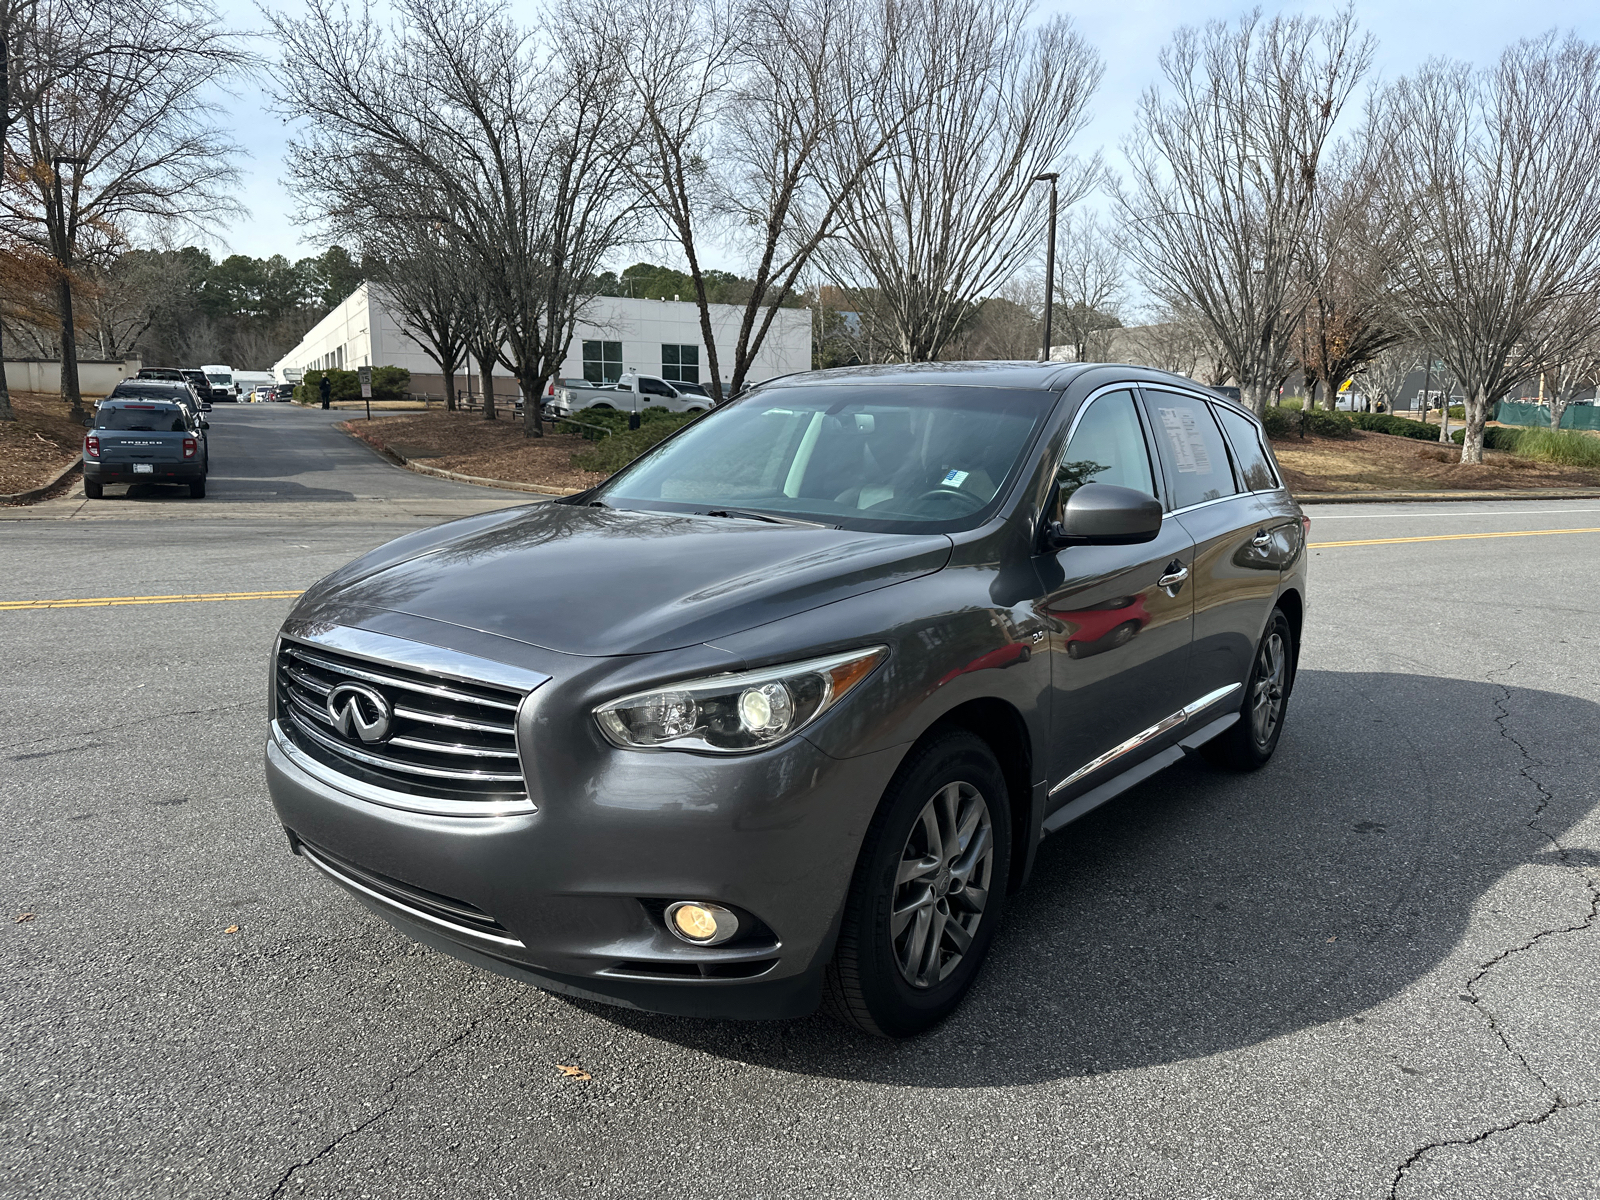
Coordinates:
[1369,970]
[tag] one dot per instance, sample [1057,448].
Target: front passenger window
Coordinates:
[1107,447]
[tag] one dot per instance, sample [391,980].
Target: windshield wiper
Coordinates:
[770,518]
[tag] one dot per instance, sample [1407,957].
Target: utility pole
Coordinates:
[1049,264]
[69,333]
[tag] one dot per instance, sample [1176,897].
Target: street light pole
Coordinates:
[1049,264]
[69,334]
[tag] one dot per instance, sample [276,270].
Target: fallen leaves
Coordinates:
[1334,938]
[26,917]
[577,1073]
[231,929]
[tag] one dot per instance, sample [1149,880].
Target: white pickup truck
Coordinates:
[631,391]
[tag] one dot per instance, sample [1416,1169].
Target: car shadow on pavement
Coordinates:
[1207,911]
[232,487]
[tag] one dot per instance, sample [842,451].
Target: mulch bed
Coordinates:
[1379,462]
[39,443]
[469,445]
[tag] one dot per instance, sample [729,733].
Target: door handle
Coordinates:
[1173,578]
[1261,538]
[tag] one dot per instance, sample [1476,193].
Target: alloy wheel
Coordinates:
[942,884]
[1266,699]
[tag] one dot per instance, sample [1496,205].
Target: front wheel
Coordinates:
[927,893]
[1249,742]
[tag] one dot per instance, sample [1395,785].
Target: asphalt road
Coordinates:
[1370,970]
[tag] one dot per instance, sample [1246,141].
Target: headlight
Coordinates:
[738,712]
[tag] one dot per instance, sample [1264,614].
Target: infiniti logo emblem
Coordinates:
[360,712]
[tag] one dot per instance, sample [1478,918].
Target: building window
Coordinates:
[680,364]
[602,361]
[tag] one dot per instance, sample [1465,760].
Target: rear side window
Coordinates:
[1192,450]
[1108,446]
[1254,466]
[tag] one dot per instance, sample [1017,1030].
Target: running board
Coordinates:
[1112,788]
[1095,797]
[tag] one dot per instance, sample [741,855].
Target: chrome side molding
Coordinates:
[1166,725]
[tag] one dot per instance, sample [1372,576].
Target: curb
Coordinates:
[1444,497]
[39,493]
[439,472]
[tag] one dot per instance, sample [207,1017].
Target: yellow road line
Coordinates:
[114,601]
[204,597]
[1448,537]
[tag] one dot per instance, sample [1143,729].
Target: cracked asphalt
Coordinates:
[1370,970]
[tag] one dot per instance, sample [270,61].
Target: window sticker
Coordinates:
[954,479]
[1189,453]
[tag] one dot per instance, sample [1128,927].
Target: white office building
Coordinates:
[614,334]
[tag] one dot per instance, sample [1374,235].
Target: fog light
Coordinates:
[701,924]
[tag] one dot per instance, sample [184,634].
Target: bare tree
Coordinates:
[1090,282]
[979,104]
[1577,366]
[1224,174]
[514,143]
[1173,338]
[123,142]
[1005,325]
[755,117]
[1386,372]
[1496,230]
[427,286]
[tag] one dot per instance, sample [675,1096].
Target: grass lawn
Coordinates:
[40,442]
[1377,462]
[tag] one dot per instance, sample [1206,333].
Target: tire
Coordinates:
[197,490]
[94,490]
[1248,743]
[877,980]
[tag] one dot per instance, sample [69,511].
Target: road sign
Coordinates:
[365,375]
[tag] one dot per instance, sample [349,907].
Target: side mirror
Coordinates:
[1101,514]
[205,424]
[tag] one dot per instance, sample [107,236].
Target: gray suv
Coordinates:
[780,713]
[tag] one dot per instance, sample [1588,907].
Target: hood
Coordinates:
[598,581]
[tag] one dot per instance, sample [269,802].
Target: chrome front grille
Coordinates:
[447,739]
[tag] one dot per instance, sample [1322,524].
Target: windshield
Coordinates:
[224,380]
[153,418]
[895,458]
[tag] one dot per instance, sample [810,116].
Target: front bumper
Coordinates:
[569,897]
[160,472]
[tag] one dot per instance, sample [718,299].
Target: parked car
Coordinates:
[780,712]
[630,391]
[177,391]
[135,439]
[283,393]
[200,384]
[159,373]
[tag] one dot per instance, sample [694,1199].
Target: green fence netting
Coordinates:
[1577,416]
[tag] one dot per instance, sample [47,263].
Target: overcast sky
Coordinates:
[1128,34]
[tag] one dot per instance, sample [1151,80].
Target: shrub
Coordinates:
[1327,424]
[1293,404]
[615,421]
[1458,412]
[1564,448]
[1395,426]
[611,454]
[1495,438]
[388,383]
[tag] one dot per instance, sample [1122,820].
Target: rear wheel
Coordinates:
[197,490]
[927,893]
[93,489]
[1249,742]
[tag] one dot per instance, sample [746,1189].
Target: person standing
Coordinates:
[325,387]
